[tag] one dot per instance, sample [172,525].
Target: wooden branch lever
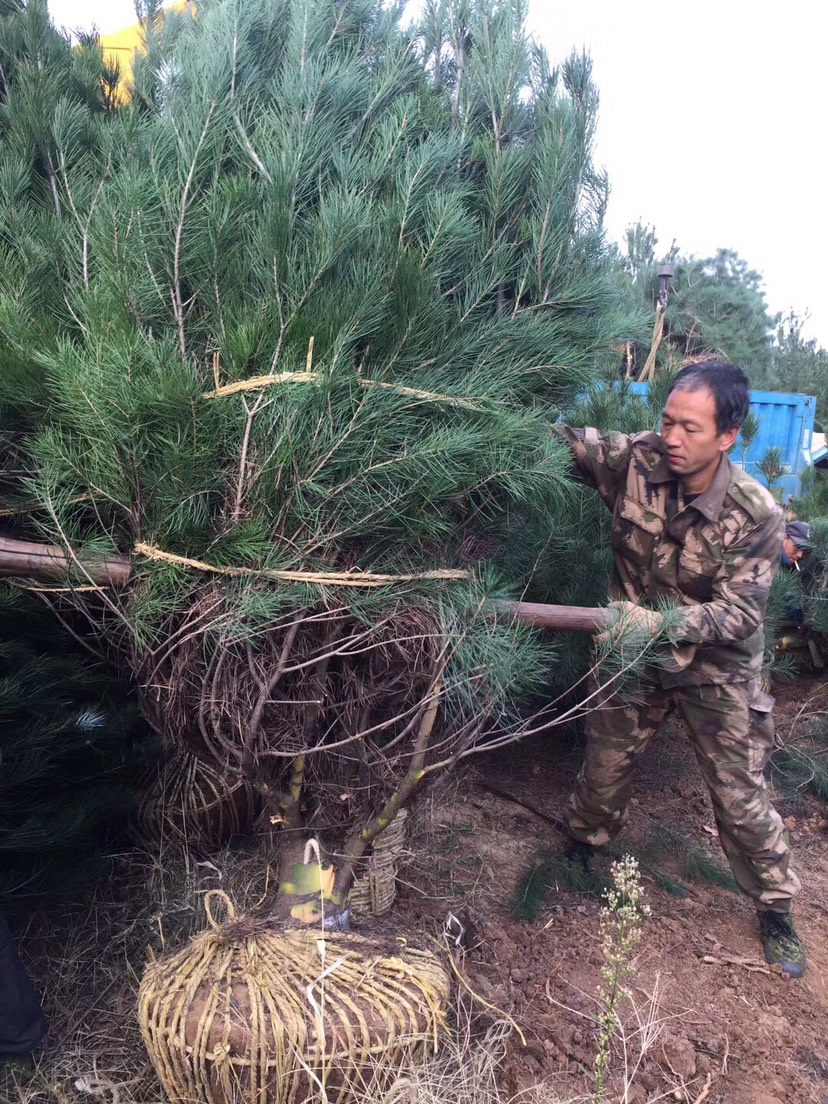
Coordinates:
[48,562]
[589,619]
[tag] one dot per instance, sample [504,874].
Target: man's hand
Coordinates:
[631,616]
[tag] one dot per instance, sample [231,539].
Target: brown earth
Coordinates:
[706,1021]
[727,1027]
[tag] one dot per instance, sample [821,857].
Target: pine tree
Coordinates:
[308,306]
[799,364]
[71,747]
[715,305]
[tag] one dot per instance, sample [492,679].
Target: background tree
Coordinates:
[799,364]
[716,304]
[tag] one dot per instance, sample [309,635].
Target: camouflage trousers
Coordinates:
[731,730]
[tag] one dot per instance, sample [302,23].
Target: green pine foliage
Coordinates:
[815,575]
[402,230]
[692,860]
[799,364]
[802,767]
[549,872]
[812,503]
[71,746]
[719,305]
[553,871]
[783,615]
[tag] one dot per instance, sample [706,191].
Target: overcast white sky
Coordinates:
[712,124]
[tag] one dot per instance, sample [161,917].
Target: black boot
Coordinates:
[782,945]
[580,854]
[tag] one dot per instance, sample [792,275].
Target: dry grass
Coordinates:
[87,960]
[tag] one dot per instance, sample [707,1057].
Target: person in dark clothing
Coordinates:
[21,1018]
[796,544]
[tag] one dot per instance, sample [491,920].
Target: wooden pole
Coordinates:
[48,562]
[588,619]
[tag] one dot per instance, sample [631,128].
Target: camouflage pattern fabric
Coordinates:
[717,555]
[731,730]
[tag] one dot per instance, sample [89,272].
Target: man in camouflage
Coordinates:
[691,527]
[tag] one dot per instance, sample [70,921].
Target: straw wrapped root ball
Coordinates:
[249,1015]
[188,801]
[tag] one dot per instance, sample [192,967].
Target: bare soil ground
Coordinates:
[707,1022]
[715,1022]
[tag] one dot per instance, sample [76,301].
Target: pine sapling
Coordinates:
[772,467]
[748,434]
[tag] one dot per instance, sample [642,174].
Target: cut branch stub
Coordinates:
[589,619]
[27,559]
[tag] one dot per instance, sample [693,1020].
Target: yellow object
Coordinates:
[311,884]
[120,48]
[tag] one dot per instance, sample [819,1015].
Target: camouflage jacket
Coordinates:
[717,556]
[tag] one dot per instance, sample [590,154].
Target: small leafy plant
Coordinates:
[622,919]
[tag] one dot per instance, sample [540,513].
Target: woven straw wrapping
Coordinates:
[188,801]
[248,1015]
[375,892]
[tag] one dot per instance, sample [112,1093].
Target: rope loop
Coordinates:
[229,908]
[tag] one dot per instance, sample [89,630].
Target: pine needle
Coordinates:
[549,872]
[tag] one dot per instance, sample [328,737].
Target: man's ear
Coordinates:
[728,439]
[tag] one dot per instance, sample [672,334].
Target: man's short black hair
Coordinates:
[728,384]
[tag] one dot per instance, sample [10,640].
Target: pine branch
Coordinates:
[178,302]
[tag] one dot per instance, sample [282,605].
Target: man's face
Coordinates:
[794,553]
[688,427]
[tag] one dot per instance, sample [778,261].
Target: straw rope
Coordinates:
[249,1015]
[189,801]
[260,383]
[425,396]
[375,892]
[648,371]
[323,578]
[55,589]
